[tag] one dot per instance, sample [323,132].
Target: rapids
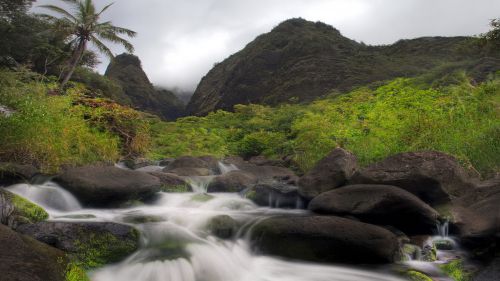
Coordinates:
[177,246]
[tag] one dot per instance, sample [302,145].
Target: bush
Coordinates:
[44,130]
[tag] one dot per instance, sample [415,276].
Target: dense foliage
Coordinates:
[458,118]
[50,130]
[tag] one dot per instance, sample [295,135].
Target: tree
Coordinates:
[492,37]
[82,27]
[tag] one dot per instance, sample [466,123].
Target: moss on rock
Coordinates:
[417,276]
[15,210]
[456,270]
[76,273]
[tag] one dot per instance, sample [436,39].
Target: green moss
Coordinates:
[455,269]
[29,210]
[97,250]
[76,273]
[417,276]
[252,195]
[201,197]
[181,188]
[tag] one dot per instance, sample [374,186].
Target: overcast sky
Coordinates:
[179,40]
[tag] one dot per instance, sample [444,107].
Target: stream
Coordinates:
[177,246]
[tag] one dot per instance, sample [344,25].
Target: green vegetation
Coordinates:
[28,209]
[46,130]
[417,276]
[97,250]
[455,269]
[403,115]
[76,273]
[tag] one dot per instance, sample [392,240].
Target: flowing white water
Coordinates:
[177,246]
[226,168]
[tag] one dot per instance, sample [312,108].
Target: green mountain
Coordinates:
[126,70]
[299,61]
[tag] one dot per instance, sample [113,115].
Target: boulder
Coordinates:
[266,173]
[91,243]
[137,163]
[190,172]
[233,181]
[205,162]
[11,173]
[223,226]
[172,182]
[108,186]
[23,258]
[378,204]
[476,216]
[330,172]
[263,161]
[325,239]
[15,210]
[275,194]
[166,161]
[434,177]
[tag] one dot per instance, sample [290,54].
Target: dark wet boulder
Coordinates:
[267,173]
[331,172]
[11,173]
[476,215]
[223,226]
[91,243]
[434,177]
[190,172]
[16,211]
[166,161]
[137,163]
[275,194]
[325,239]
[108,186]
[378,204]
[233,181]
[263,161]
[172,182]
[22,258]
[204,162]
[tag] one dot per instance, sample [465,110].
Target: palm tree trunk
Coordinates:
[75,59]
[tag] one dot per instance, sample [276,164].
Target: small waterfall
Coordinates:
[199,184]
[226,168]
[443,229]
[49,195]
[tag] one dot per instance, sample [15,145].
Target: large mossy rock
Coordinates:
[233,181]
[379,204]
[11,173]
[325,239]
[92,244]
[434,177]
[15,210]
[172,182]
[22,258]
[108,186]
[203,162]
[332,171]
[223,226]
[275,194]
[267,173]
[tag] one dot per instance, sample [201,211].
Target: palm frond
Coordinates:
[60,11]
[102,47]
[104,9]
[106,27]
[112,37]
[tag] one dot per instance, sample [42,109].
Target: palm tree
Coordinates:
[82,27]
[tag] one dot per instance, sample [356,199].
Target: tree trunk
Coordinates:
[75,59]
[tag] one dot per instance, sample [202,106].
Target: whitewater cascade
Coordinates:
[176,244]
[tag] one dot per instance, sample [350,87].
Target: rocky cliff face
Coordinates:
[126,70]
[299,61]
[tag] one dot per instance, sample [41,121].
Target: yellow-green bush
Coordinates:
[44,130]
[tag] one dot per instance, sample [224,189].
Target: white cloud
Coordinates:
[180,40]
